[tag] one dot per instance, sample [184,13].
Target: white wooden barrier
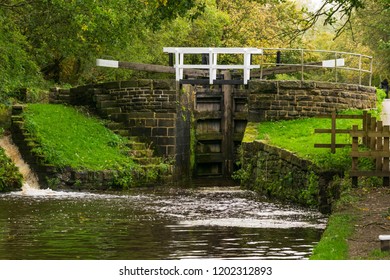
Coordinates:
[213,65]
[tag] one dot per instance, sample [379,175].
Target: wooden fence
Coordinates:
[333,131]
[371,142]
[377,148]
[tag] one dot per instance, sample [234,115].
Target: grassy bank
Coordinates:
[298,137]
[67,137]
[333,245]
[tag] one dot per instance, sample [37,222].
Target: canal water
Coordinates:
[220,223]
[168,223]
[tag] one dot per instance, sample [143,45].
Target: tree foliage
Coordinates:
[62,38]
[17,67]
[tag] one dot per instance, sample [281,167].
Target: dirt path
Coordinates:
[386,112]
[373,211]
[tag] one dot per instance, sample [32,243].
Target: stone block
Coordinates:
[166,141]
[261,87]
[308,84]
[111,85]
[128,84]
[164,84]
[145,83]
[289,84]
[293,113]
[157,131]
[166,123]
[324,85]
[165,115]
[304,98]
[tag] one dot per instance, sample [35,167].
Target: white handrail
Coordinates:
[213,65]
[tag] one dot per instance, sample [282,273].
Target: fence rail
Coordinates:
[375,139]
[333,131]
[378,137]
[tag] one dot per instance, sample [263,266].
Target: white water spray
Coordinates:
[30,180]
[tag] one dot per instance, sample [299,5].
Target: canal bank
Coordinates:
[358,216]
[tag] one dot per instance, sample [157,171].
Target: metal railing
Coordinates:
[346,67]
[263,63]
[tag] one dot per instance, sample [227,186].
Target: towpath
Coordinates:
[373,214]
[386,112]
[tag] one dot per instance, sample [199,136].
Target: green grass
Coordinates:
[67,137]
[333,245]
[298,136]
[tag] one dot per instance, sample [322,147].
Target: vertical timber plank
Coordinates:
[385,166]
[355,160]
[333,134]
[372,128]
[379,146]
[227,127]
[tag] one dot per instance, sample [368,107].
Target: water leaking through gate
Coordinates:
[30,180]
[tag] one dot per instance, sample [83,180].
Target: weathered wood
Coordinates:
[338,131]
[160,68]
[370,134]
[352,117]
[333,131]
[227,126]
[368,173]
[330,145]
[377,137]
[370,154]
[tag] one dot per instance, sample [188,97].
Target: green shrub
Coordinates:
[10,178]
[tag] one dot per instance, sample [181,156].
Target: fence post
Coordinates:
[365,121]
[355,160]
[372,128]
[385,166]
[379,146]
[333,134]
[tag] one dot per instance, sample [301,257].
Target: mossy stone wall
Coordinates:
[280,174]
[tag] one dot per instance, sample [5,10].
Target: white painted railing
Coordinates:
[213,65]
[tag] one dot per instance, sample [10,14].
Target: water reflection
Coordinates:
[170,224]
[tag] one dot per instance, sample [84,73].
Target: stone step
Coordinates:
[122,132]
[137,146]
[101,97]
[147,160]
[110,110]
[141,153]
[115,126]
[106,104]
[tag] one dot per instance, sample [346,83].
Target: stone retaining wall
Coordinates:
[278,173]
[276,100]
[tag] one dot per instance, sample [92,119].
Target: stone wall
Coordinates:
[159,111]
[276,100]
[278,173]
[143,108]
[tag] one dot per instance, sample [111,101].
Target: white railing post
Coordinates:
[213,65]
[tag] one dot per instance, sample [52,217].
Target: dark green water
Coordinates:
[170,224]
